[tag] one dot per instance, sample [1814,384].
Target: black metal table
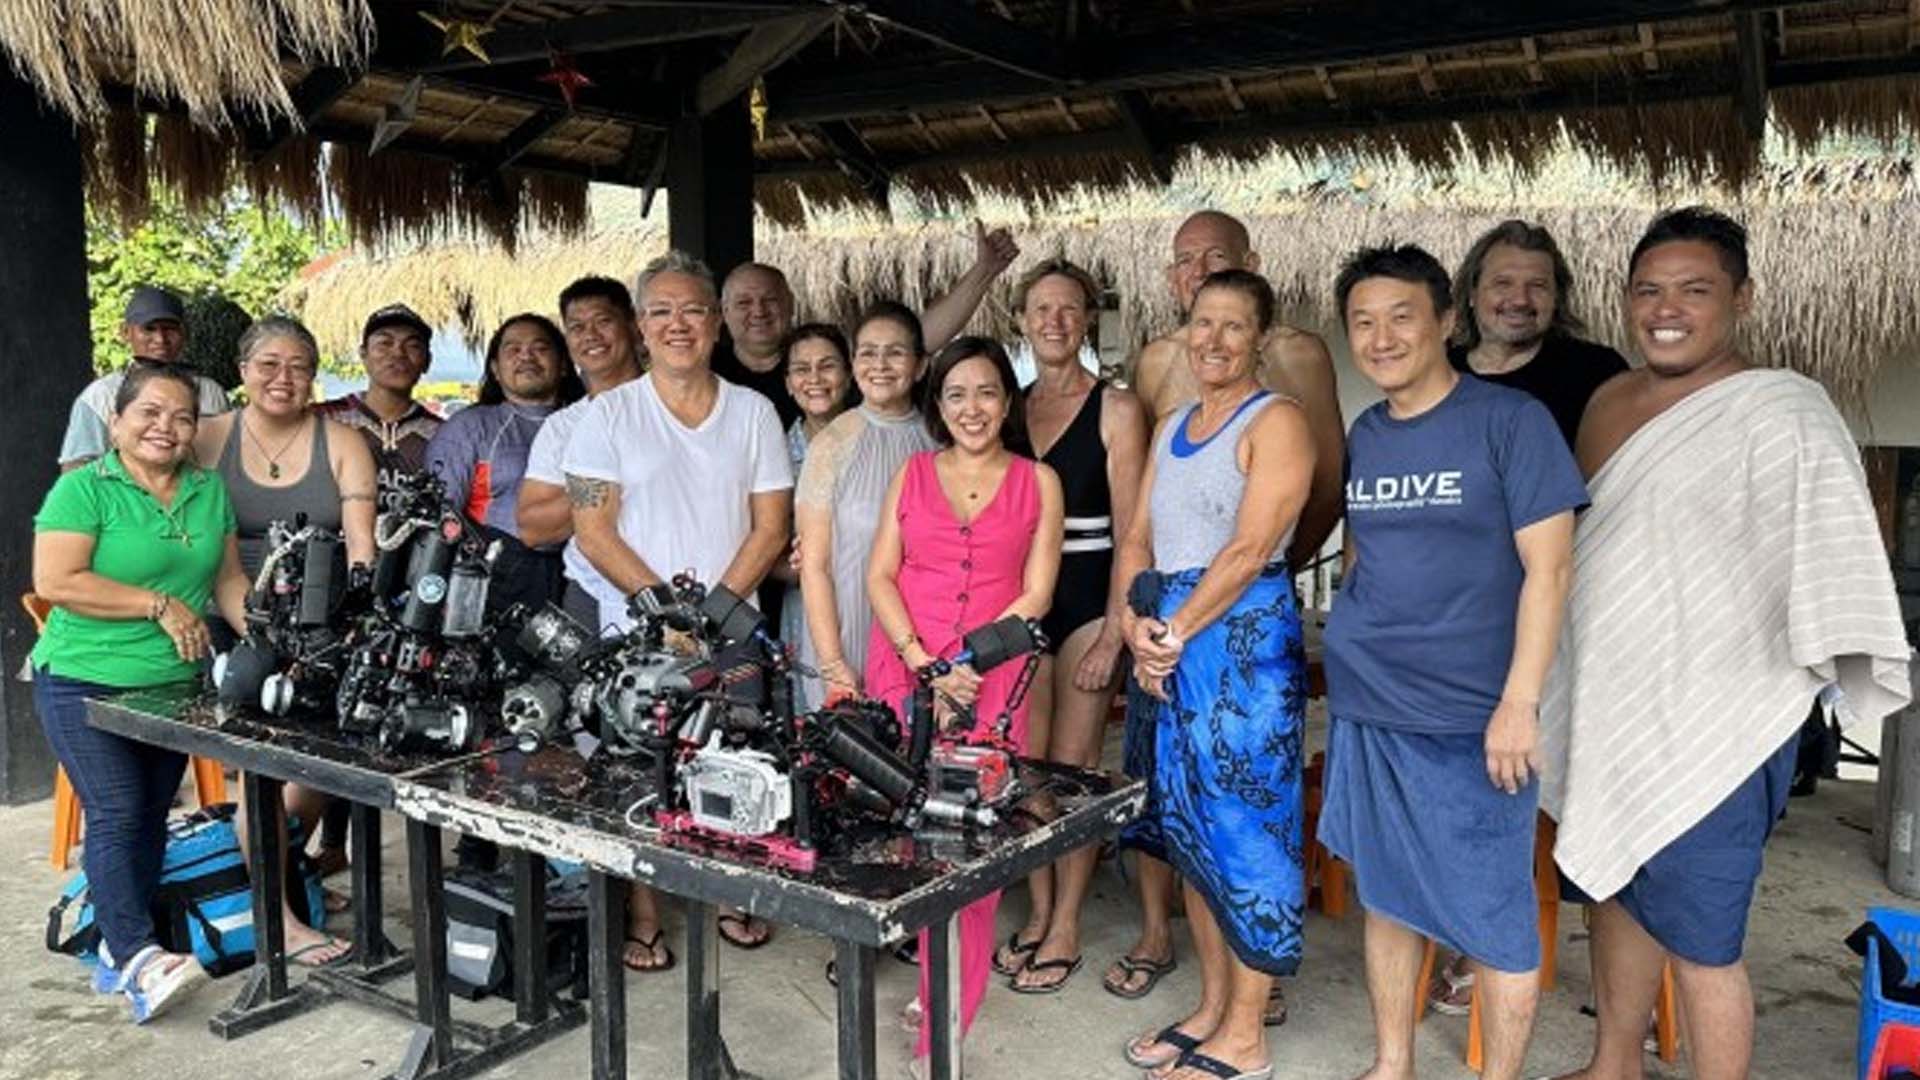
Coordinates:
[883,887]
[318,755]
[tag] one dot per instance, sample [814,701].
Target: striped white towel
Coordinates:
[1730,566]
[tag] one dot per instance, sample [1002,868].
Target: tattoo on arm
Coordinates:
[585,494]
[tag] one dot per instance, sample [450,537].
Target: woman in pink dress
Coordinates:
[969,533]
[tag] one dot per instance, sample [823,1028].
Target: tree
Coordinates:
[240,254]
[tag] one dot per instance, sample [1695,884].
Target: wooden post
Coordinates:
[44,337]
[710,187]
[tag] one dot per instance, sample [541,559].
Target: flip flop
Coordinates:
[1154,970]
[1213,1066]
[742,938]
[1068,965]
[1171,1035]
[650,944]
[294,957]
[335,902]
[1275,1013]
[1021,950]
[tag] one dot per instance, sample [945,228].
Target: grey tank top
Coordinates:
[255,506]
[1197,488]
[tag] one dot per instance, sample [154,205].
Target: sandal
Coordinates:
[298,957]
[1129,966]
[153,981]
[1171,1035]
[1017,953]
[1452,991]
[1213,1066]
[1276,1010]
[653,947]
[1069,966]
[742,937]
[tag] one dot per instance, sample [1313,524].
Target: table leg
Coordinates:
[704,1049]
[432,1044]
[265,998]
[370,945]
[942,955]
[607,974]
[854,965]
[529,937]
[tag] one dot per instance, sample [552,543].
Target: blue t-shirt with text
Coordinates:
[1422,631]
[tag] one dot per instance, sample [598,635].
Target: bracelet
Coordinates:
[158,609]
[900,644]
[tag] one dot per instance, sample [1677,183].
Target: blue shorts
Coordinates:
[1693,896]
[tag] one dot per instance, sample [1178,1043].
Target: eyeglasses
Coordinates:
[689,312]
[270,370]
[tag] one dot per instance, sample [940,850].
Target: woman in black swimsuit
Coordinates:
[1095,437]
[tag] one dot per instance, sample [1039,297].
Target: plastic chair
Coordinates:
[209,781]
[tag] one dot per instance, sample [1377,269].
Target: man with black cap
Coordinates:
[155,328]
[394,348]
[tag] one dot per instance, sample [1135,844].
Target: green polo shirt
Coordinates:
[136,541]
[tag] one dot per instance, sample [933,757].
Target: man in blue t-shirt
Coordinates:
[1460,501]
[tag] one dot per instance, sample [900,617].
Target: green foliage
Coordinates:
[240,254]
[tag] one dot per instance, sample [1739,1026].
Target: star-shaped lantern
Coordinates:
[461,34]
[564,76]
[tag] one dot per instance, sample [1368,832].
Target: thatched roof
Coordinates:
[932,101]
[1835,265]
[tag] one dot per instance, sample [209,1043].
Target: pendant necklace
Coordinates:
[273,459]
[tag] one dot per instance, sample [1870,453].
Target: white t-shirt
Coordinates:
[544,460]
[685,493]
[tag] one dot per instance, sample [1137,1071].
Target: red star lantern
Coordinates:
[564,76]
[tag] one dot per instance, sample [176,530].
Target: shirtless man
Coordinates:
[1295,363]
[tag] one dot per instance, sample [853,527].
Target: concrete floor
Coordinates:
[779,1010]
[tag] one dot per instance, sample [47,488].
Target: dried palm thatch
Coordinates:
[211,55]
[1822,306]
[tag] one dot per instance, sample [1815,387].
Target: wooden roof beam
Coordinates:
[410,44]
[1530,50]
[1754,38]
[957,26]
[311,97]
[1649,51]
[857,160]
[515,144]
[1144,131]
[766,47]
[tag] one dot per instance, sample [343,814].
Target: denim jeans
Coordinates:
[125,789]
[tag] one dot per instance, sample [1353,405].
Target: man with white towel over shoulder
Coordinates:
[1730,566]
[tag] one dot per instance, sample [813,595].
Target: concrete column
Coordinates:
[45,345]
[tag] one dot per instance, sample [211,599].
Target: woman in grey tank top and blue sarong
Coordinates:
[279,460]
[1217,640]
[842,488]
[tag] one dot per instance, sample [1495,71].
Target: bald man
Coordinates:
[1295,363]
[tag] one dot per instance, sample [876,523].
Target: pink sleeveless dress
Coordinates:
[957,576]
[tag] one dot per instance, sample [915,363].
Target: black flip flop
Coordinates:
[743,942]
[1054,987]
[1171,1035]
[1020,950]
[1268,1016]
[1154,970]
[650,944]
[346,954]
[1213,1066]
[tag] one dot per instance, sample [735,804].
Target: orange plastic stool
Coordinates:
[209,782]
[1326,876]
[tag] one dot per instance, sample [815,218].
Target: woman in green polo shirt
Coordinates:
[130,549]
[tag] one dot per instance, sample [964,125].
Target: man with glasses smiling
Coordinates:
[679,471]
[155,328]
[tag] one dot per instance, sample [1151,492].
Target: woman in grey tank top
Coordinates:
[279,460]
[1217,647]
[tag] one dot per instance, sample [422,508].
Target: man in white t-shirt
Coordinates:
[680,470]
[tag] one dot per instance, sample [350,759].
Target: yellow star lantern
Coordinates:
[757,108]
[461,34]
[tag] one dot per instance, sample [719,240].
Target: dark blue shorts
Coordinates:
[1693,896]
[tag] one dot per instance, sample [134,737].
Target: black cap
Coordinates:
[150,304]
[396,315]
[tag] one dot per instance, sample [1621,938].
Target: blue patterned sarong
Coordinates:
[1143,721]
[1227,764]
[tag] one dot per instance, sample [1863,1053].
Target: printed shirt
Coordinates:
[1421,634]
[399,446]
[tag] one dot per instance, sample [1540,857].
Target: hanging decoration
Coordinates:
[757,108]
[462,34]
[564,75]
[399,116]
